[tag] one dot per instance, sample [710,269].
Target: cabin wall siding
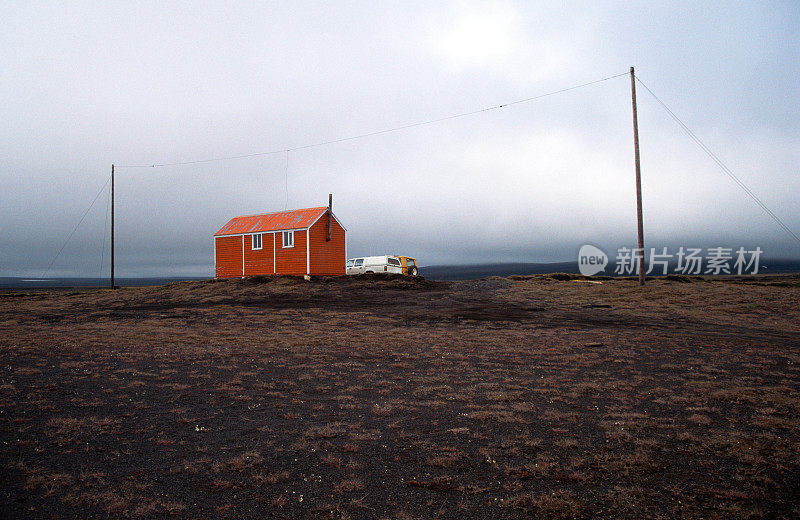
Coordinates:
[327,257]
[258,261]
[228,257]
[291,260]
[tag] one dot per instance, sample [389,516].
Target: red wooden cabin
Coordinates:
[298,242]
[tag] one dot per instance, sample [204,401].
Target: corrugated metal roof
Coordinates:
[292,219]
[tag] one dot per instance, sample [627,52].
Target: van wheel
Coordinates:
[413,271]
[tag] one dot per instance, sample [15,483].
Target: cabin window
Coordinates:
[288,239]
[256,241]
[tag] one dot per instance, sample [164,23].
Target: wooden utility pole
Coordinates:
[638,179]
[112,227]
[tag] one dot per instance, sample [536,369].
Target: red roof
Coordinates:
[292,219]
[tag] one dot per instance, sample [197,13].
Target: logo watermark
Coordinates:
[686,260]
[591,260]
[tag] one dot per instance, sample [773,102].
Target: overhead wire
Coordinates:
[377,132]
[105,226]
[672,114]
[721,164]
[75,228]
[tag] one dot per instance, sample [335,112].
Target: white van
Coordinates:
[374,264]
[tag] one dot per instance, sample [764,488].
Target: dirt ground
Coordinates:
[370,397]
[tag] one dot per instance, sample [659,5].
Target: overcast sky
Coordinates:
[85,85]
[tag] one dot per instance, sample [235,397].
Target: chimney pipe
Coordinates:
[330,214]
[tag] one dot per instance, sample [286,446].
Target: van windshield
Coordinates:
[349,263]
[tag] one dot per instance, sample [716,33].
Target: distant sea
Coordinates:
[101,283]
[433,272]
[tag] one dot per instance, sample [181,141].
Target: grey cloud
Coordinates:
[87,86]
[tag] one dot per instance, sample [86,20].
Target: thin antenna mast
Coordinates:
[112,227]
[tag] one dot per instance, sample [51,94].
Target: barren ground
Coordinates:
[368,397]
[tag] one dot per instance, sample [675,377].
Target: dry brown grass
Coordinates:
[353,398]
